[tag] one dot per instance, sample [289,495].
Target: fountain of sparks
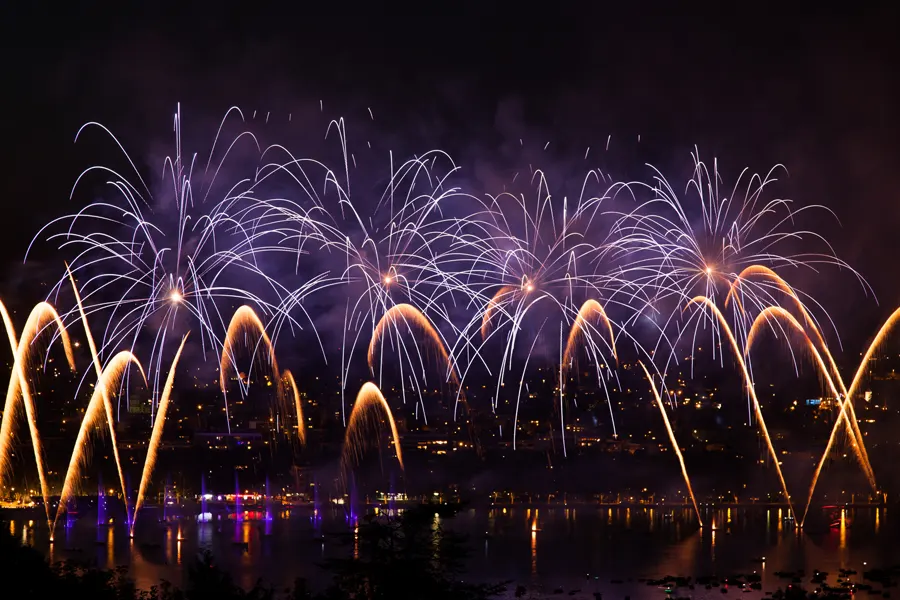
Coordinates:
[363,427]
[19,388]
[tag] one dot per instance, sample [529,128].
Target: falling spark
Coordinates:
[665,417]
[751,389]
[156,435]
[20,388]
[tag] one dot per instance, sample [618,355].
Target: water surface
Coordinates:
[577,549]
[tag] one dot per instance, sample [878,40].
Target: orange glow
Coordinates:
[491,307]
[369,401]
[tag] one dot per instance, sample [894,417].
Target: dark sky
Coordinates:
[817,93]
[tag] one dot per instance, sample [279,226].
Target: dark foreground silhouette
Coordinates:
[404,558]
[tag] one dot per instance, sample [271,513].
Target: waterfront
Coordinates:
[609,550]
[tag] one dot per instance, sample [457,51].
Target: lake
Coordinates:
[579,549]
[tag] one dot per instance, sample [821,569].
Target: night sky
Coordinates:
[817,93]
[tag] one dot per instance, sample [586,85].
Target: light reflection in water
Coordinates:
[435,540]
[179,538]
[678,545]
[534,552]
[534,530]
[110,545]
[204,533]
[843,533]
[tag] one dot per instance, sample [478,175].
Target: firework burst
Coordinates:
[146,254]
[539,257]
[380,255]
[727,244]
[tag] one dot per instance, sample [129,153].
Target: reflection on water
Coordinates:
[580,549]
[534,530]
[110,545]
[534,552]
[843,529]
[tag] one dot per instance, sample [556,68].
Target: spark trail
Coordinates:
[665,418]
[676,256]
[842,397]
[156,435]
[94,415]
[846,416]
[364,423]
[20,388]
[411,317]
[287,380]
[105,394]
[751,388]
[244,322]
[152,257]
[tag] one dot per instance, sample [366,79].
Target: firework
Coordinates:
[751,388]
[20,387]
[149,253]
[403,317]
[665,418]
[94,416]
[287,380]
[244,323]
[156,436]
[776,312]
[583,329]
[387,255]
[105,390]
[522,255]
[740,232]
[422,261]
[365,417]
